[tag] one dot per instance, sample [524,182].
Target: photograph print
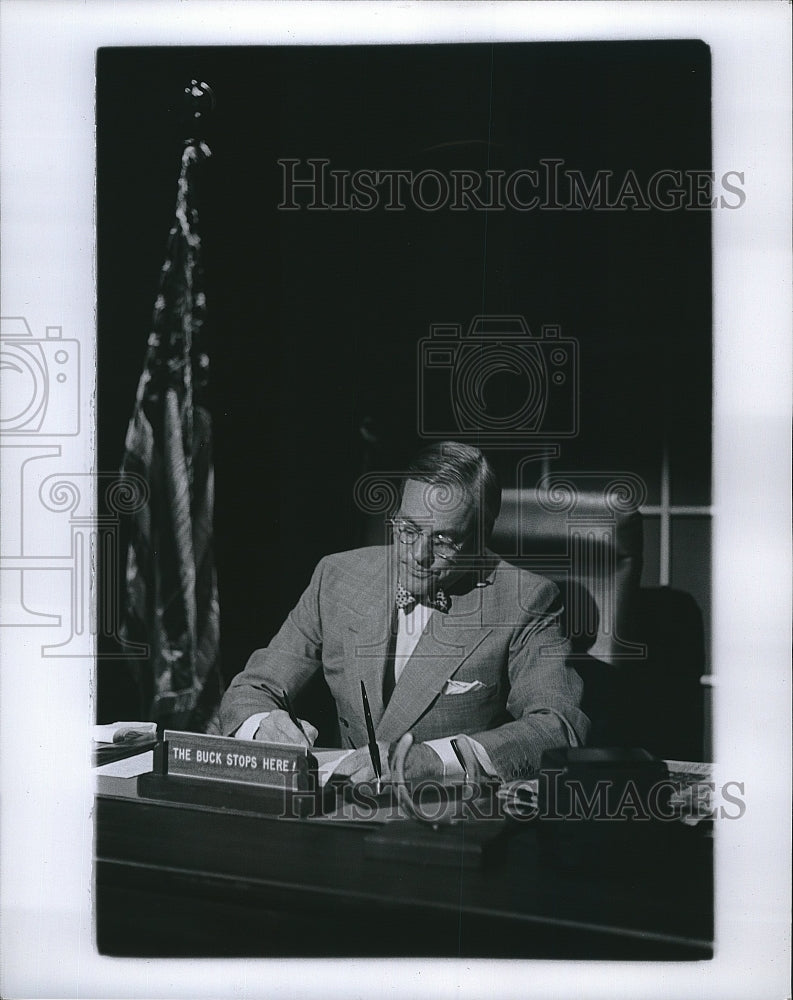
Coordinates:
[404,404]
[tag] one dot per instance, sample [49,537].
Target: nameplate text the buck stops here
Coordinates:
[222,758]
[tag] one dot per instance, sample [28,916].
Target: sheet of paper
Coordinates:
[129,767]
[327,761]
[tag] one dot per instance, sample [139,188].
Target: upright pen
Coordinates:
[374,750]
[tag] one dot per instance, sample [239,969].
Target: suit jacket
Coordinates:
[502,631]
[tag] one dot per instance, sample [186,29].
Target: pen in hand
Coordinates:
[288,707]
[374,750]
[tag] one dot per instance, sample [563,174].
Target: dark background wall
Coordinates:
[315,317]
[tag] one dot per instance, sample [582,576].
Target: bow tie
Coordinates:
[405,600]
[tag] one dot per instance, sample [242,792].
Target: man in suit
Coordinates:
[449,640]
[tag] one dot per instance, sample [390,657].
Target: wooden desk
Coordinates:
[179,880]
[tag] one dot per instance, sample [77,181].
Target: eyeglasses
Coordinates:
[443,546]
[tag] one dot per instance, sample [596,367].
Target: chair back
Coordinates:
[590,545]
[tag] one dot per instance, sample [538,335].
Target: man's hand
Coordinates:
[358,765]
[422,762]
[279,728]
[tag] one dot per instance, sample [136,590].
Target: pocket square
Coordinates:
[462,687]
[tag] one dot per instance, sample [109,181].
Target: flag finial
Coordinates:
[198,103]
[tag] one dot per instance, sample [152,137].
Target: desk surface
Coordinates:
[175,879]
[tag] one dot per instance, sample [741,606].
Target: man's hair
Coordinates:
[454,464]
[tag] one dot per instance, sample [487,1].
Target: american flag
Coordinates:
[171,596]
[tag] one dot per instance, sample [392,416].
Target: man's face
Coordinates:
[436,510]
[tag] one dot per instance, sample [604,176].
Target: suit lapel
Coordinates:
[444,644]
[366,642]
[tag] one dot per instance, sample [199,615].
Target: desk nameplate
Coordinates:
[223,758]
